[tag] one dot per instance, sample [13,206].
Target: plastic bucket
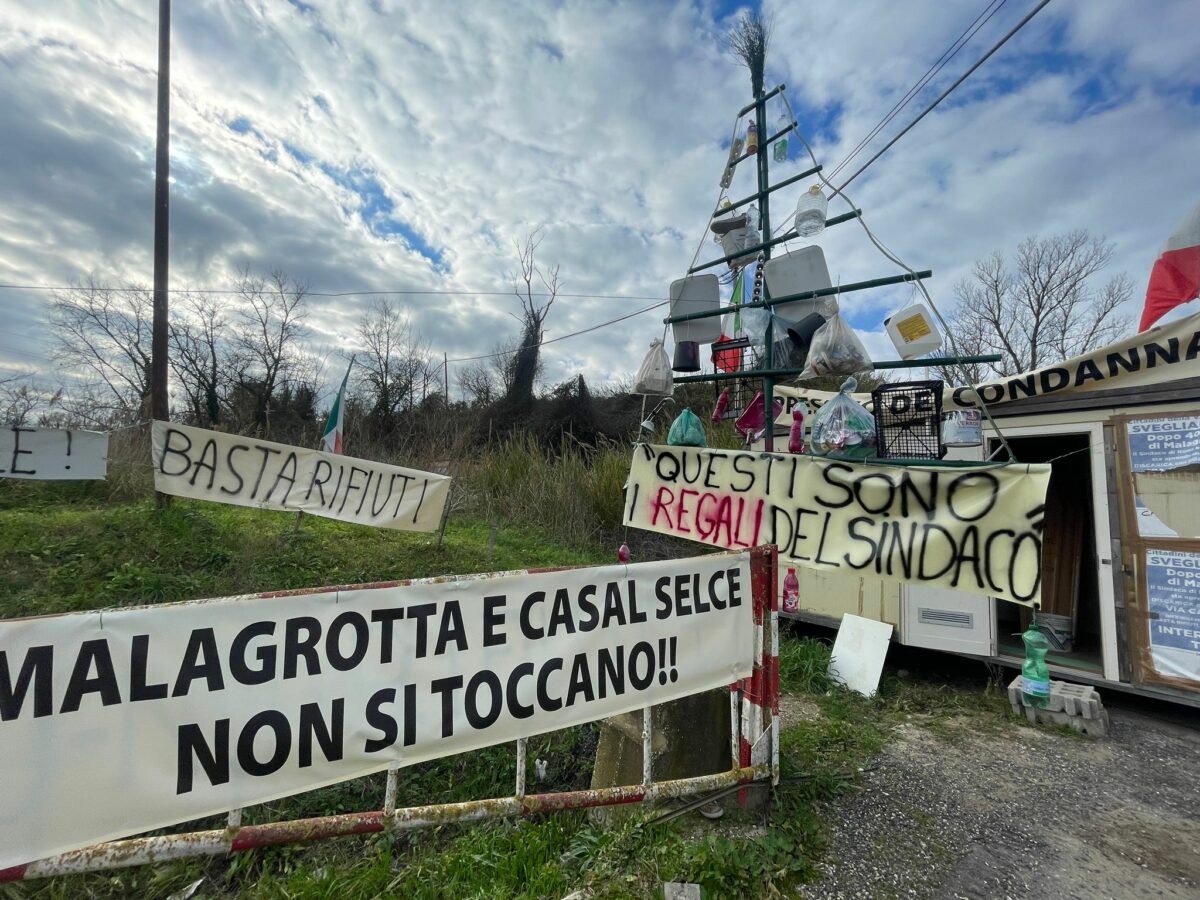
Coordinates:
[962,428]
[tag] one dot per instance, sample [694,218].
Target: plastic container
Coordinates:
[752,138]
[798,272]
[1035,674]
[962,428]
[811,212]
[913,331]
[796,432]
[791,592]
[781,145]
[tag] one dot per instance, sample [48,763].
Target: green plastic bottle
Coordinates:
[1035,675]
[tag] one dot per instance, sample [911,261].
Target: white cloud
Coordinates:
[604,121]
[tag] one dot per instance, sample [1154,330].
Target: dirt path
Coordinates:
[954,811]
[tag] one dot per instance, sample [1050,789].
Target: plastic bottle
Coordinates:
[781,145]
[752,138]
[720,406]
[811,212]
[796,434]
[1035,675]
[791,592]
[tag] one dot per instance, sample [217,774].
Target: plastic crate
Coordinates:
[908,420]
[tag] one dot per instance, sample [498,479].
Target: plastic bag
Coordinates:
[654,374]
[843,426]
[686,431]
[836,350]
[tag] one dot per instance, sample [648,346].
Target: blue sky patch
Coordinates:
[376,210]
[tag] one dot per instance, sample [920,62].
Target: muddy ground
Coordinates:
[955,809]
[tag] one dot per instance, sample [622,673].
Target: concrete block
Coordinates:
[680,890]
[1074,706]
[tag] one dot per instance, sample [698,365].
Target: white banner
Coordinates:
[136,719]
[228,468]
[57,454]
[1167,352]
[974,528]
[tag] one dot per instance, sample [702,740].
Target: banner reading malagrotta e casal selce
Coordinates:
[974,529]
[136,719]
[228,468]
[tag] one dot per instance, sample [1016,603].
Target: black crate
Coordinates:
[908,420]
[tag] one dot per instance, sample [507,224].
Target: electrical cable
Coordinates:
[888,254]
[931,107]
[562,337]
[406,292]
[961,41]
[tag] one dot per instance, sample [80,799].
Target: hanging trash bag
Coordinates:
[686,431]
[836,350]
[843,426]
[654,374]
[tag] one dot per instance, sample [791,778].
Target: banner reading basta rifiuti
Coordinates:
[229,468]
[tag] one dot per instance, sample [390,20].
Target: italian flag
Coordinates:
[335,428]
[1175,278]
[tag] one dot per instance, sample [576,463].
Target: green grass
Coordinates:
[70,547]
[61,557]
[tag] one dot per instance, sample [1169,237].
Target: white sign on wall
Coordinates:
[243,471]
[141,718]
[55,454]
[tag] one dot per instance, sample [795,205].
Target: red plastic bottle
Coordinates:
[720,406]
[791,592]
[796,434]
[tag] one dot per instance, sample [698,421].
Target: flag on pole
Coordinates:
[1175,278]
[730,360]
[331,440]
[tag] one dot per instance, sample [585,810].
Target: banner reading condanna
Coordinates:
[974,529]
[136,719]
[229,468]
[1165,353]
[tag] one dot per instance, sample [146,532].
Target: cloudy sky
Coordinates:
[405,145]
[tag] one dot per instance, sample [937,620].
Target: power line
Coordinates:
[563,337]
[408,292]
[930,108]
[950,52]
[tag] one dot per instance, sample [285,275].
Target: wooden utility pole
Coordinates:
[159,404]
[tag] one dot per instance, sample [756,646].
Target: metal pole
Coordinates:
[764,183]
[159,406]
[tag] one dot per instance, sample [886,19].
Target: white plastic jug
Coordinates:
[913,332]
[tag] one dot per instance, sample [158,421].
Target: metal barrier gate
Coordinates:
[754,751]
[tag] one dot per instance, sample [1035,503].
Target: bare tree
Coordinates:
[103,334]
[267,334]
[1044,309]
[523,366]
[199,336]
[396,369]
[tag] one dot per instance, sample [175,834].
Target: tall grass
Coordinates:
[575,494]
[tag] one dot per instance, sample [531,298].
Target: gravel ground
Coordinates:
[1020,812]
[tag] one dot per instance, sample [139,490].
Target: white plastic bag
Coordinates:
[836,350]
[843,426]
[654,375]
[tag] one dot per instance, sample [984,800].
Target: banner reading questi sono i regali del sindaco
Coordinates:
[975,529]
[243,471]
[116,724]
